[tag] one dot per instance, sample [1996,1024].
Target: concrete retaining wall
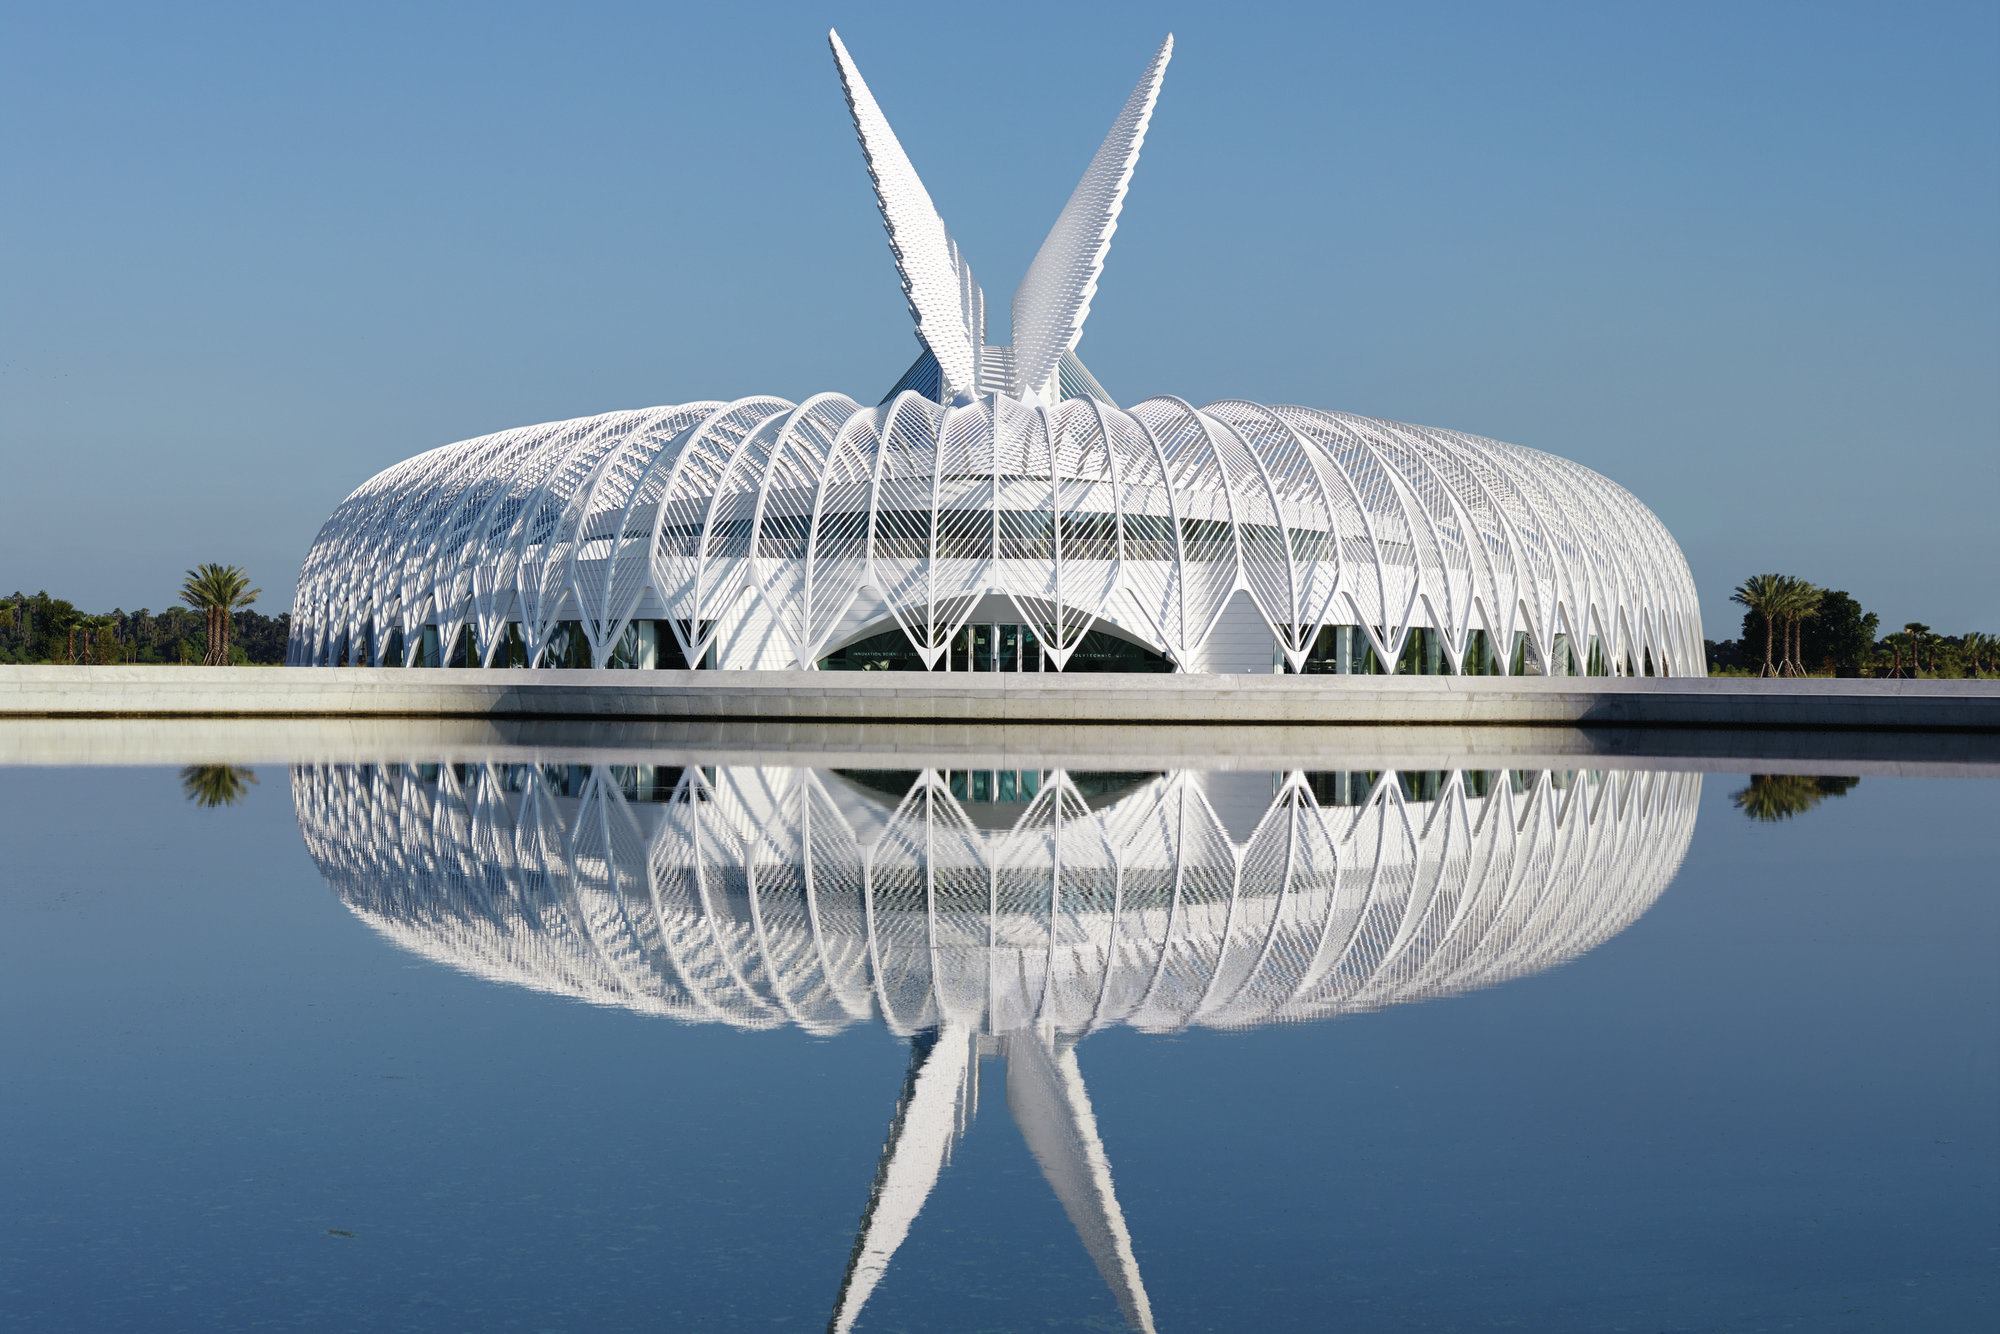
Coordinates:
[996,698]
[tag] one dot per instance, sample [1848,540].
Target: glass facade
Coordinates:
[994,647]
[1346,650]
[1343,650]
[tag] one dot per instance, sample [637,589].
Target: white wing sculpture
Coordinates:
[946,303]
[928,1123]
[1054,298]
[1053,301]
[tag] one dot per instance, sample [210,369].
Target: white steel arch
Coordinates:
[915,510]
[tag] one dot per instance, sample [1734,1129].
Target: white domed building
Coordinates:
[997,511]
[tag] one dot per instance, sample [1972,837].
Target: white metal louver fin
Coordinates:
[944,300]
[1054,298]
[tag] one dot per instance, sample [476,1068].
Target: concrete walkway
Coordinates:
[351,692]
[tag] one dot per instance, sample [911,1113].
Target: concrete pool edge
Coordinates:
[92,742]
[362,692]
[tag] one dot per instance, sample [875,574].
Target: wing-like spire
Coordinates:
[1053,301]
[944,300]
[929,1119]
[1045,1092]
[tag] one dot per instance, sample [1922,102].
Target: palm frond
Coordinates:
[211,785]
[218,586]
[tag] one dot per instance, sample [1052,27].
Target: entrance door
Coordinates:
[994,648]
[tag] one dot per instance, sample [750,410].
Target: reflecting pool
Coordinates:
[568,1033]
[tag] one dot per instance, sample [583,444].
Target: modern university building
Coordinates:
[997,511]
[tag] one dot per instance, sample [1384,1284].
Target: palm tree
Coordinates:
[1979,647]
[1776,796]
[1892,645]
[1762,593]
[104,646]
[1916,630]
[18,613]
[1797,600]
[218,590]
[211,785]
[93,640]
[1782,796]
[1787,601]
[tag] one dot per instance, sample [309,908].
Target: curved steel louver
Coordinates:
[813,519]
[767,534]
[761,897]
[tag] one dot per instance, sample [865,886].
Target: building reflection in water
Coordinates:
[993,913]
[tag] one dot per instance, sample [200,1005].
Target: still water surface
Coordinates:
[503,1045]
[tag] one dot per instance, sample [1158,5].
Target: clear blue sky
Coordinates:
[1743,259]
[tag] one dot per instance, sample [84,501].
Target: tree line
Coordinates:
[215,628]
[1793,627]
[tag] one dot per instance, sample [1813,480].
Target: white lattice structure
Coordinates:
[768,897]
[761,898]
[997,483]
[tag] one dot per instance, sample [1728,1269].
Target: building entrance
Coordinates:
[995,648]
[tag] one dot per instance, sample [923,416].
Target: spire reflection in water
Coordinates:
[993,913]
